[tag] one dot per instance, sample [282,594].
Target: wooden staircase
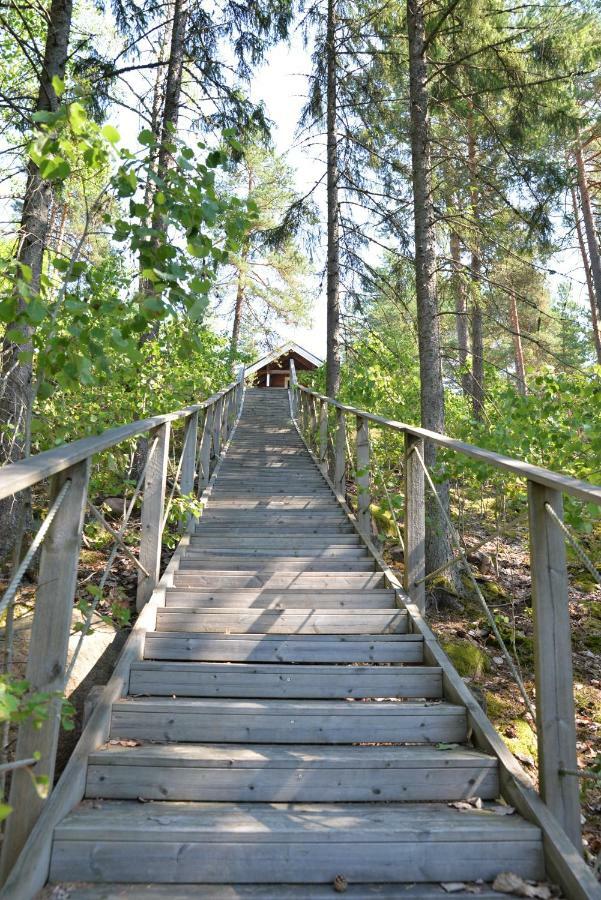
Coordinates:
[282,729]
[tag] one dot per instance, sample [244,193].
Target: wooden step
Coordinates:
[185,679]
[262,599]
[266,550]
[251,563]
[128,891]
[265,621]
[258,772]
[219,580]
[288,721]
[333,530]
[269,843]
[273,648]
[273,541]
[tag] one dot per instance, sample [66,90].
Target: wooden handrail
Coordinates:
[17,476]
[590,493]
[555,715]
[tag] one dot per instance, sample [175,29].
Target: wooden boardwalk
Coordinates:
[282,727]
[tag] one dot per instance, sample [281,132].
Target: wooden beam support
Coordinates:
[189,454]
[152,514]
[216,425]
[340,455]
[363,477]
[555,714]
[47,657]
[204,456]
[414,524]
[323,434]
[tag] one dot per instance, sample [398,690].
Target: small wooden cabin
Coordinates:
[273,370]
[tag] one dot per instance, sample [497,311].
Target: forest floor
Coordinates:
[467,638]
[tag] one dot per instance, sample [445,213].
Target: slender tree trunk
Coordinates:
[589,281]
[431,384]
[16,371]
[237,315]
[589,226]
[477,377]
[520,370]
[333,263]
[460,311]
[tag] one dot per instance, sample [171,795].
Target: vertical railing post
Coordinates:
[555,714]
[415,523]
[152,514]
[293,388]
[363,477]
[216,425]
[323,434]
[189,461]
[312,421]
[47,658]
[340,455]
[204,456]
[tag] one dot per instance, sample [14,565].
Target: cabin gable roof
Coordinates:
[313,362]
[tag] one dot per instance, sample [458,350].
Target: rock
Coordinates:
[115,505]
[397,553]
[482,560]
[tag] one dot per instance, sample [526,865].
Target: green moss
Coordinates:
[468,659]
[493,590]
[501,712]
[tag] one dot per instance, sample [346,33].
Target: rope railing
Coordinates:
[59,541]
[554,711]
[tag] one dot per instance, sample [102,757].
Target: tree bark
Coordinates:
[333,257]
[431,384]
[477,376]
[520,371]
[589,226]
[460,312]
[16,372]
[589,281]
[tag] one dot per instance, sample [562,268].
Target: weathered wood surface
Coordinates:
[151,532]
[232,721]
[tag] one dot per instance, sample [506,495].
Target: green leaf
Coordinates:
[111,134]
[59,85]
[146,137]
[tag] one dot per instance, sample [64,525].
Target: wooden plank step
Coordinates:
[249,564]
[262,599]
[273,540]
[265,621]
[218,580]
[288,721]
[128,891]
[185,679]
[272,843]
[333,530]
[267,550]
[332,514]
[283,505]
[272,648]
[258,773]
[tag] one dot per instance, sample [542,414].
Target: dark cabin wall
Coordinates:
[280,378]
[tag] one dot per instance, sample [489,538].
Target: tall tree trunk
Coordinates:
[518,353]
[333,262]
[589,281]
[477,377]
[16,372]
[589,226]
[460,311]
[430,365]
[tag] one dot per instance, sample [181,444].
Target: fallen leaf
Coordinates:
[451,887]
[501,809]
[509,883]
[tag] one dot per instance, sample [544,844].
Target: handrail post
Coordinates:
[555,714]
[189,461]
[323,434]
[152,514]
[312,421]
[216,426]
[204,456]
[414,524]
[363,477]
[340,455]
[48,646]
